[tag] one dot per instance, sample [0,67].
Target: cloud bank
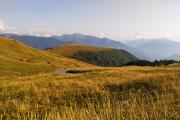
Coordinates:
[4,28]
[2,25]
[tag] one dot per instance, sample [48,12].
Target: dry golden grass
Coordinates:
[70,49]
[17,58]
[141,93]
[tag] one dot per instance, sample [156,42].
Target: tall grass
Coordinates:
[140,93]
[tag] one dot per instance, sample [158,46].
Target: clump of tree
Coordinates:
[106,58]
[153,63]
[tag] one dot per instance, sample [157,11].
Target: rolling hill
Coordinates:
[18,58]
[47,42]
[100,42]
[94,55]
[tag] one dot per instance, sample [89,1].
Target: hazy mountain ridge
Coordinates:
[156,48]
[36,41]
[148,49]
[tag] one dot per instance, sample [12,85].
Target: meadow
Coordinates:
[124,93]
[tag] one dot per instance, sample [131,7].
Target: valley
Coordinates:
[89,60]
[53,84]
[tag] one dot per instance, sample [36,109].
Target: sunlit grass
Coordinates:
[98,94]
[19,59]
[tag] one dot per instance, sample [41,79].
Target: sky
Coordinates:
[116,19]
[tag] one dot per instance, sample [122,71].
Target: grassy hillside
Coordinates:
[130,93]
[20,59]
[94,55]
[69,50]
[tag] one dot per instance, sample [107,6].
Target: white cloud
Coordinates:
[41,32]
[2,25]
[5,28]
[100,35]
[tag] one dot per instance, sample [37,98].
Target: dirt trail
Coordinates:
[73,70]
[61,71]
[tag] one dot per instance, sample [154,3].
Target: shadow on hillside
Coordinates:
[78,71]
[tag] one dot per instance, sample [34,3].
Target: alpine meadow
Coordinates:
[89,60]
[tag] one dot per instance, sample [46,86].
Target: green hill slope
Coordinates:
[94,55]
[18,58]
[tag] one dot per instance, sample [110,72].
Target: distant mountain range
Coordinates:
[147,49]
[156,48]
[47,42]
[36,41]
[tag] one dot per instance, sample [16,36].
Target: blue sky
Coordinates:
[117,19]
